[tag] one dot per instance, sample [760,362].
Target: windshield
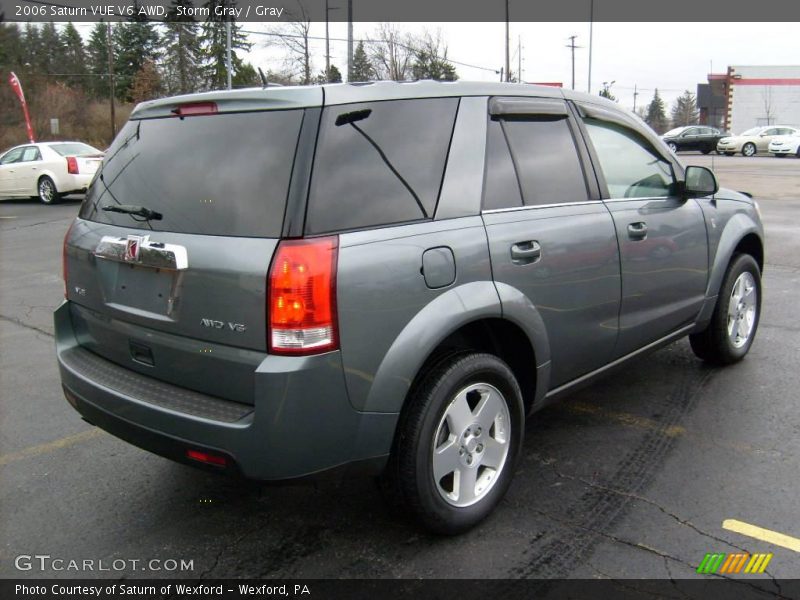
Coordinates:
[223,174]
[74,149]
[753,131]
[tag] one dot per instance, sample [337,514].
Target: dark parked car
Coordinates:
[387,278]
[693,137]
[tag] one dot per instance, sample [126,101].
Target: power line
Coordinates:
[363,40]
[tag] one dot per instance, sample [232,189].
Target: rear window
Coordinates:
[379,163]
[223,174]
[73,149]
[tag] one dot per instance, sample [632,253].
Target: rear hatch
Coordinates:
[166,266]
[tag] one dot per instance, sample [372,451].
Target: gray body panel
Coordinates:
[665,274]
[574,287]
[401,290]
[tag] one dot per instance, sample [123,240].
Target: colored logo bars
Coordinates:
[734,563]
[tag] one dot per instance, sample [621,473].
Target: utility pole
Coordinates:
[508,56]
[635,94]
[110,52]
[327,44]
[519,59]
[591,35]
[572,46]
[228,52]
[349,40]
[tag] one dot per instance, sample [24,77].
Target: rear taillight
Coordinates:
[301,308]
[64,265]
[72,165]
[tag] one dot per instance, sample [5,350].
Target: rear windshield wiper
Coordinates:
[132,209]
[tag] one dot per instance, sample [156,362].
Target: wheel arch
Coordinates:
[742,234]
[480,324]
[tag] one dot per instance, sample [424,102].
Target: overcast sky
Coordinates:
[670,56]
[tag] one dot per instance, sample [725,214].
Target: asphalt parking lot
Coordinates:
[632,477]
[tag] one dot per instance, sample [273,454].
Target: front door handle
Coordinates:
[637,231]
[525,253]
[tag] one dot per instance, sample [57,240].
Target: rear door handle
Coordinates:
[525,253]
[637,231]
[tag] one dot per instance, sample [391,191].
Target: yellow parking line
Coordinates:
[765,535]
[64,442]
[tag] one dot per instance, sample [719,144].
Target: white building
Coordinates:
[762,95]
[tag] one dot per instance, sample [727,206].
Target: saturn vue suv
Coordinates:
[387,279]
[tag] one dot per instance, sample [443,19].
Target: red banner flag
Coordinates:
[17,87]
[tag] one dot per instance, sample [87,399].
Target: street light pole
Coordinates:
[508,55]
[327,44]
[109,51]
[228,52]
[349,40]
[591,35]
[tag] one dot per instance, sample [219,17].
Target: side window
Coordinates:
[546,160]
[501,187]
[12,156]
[30,154]
[631,168]
[379,163]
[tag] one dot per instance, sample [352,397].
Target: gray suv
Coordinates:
[387,278]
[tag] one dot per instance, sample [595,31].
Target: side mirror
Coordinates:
[700,182]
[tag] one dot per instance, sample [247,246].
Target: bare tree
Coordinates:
[391,53]
[769,108]
[294,36]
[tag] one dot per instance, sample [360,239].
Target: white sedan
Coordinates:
[784,145]
[48,170]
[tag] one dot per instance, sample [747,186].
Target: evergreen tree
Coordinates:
[684,111]
[246,76]
[183,54]
[430,59]
[362,67]
[97,61]
[656,116]
[214,39]
[135,43]
[51,50]
[74,61]
[32,49]
[332,76]
[10,47]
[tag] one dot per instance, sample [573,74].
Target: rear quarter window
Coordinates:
[379,163]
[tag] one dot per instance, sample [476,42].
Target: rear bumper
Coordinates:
[74,183]
[301,423]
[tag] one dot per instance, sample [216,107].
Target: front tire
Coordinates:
[706,150]
[457,443]
[48,193]
[673,146]
[733,326]
[749,149]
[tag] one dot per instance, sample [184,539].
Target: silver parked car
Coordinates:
[753,141]
[387,278]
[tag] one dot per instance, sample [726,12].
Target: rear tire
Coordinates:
[457,443]
[48,194]
[673,146]
[733,326]
[729,153]
[706,150]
